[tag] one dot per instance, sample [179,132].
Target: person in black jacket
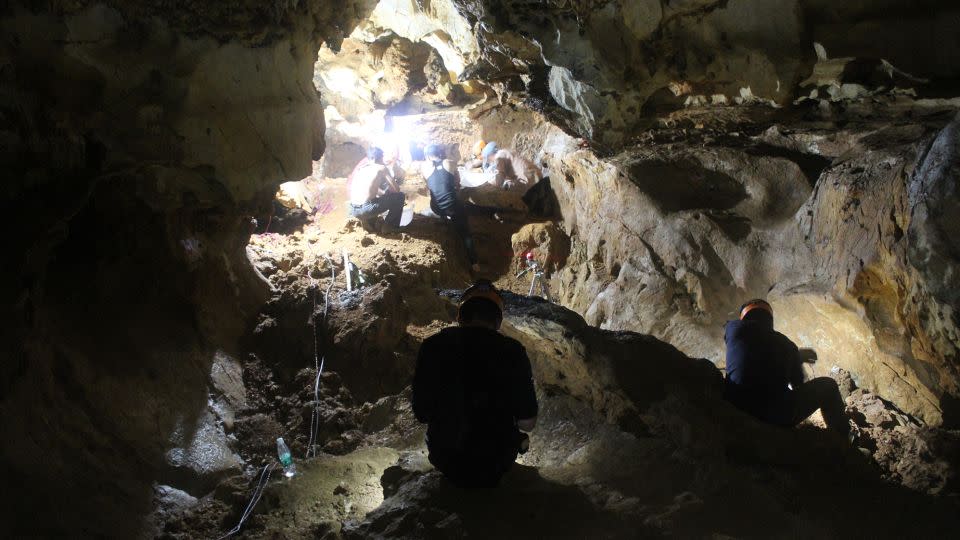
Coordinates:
[473,387]
[765,375]
[443,182]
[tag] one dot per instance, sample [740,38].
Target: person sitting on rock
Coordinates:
[443,182]
[765,375]
[473,387]
[508,167]
[374,191]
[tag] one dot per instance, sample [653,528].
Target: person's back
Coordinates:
[760,365]
[442,184]
[473,387]
[765,377]
[365,182]
[364,190]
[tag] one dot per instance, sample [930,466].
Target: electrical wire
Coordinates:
[315,416]
[257,494]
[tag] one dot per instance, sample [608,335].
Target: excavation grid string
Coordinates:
[318,364]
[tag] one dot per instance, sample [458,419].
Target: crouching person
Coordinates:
[373,190]
[474,389]
[765,375]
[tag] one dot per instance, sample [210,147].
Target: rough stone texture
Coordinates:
[621,454]
[548,243]
[633,439]
[138,139]
[669,238]
[141,137]
[600,68]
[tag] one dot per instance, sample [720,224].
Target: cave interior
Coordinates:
[186,284]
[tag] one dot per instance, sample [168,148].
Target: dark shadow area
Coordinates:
[950,405]
[282,220]
[812,165]
[734,226]
[115,364]
[525,505]
[675,187]
[541,200]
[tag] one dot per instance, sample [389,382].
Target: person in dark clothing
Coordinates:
[443,181]
[473,387]
[765,375]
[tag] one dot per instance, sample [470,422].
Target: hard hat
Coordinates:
[489,149]
[529,255]
[483,288]
[478,147]
[755,304]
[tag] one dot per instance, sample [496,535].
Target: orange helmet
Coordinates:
[478,148]
[483,288]
[755,304]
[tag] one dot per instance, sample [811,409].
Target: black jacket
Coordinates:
[470,387]
[761,362]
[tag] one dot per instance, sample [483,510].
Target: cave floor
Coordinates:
[585,477]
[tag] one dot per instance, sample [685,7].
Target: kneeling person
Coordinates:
[765,375]
[474,389]
[443,182]
[374,191]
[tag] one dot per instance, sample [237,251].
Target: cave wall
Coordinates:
[668,240]
[602,69]
[139,140]
[794,174]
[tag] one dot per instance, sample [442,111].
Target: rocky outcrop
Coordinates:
[670,236]
[138,140]
[141,137]
[633,438]
[601,69]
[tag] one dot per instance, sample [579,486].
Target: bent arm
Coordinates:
[454,170]
[795,367]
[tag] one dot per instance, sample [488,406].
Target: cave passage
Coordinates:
[194,273]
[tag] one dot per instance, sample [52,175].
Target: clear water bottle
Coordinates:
[286,458]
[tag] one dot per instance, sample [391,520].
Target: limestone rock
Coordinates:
[548,243]
[202,457]
[226,377]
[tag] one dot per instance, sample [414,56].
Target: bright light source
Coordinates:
[404,130]
[341,80]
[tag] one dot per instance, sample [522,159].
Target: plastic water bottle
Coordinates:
[286,458]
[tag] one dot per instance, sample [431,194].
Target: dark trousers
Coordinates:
[458,216]
[391,203]
[473,470]
[824,394]
[789,408]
